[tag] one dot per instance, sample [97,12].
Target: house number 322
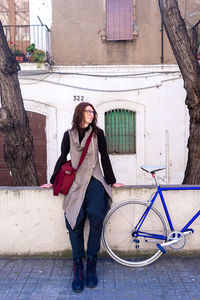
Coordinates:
[78,98]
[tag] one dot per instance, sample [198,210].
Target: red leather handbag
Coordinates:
[65,176]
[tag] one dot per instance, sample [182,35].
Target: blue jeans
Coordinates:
[95,206]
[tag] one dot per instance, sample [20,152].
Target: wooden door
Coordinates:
[38,126]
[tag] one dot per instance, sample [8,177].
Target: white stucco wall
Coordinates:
[32,219]
[40,13]
[155,93]
[41,9]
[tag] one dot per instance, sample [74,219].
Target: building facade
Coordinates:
[114,54]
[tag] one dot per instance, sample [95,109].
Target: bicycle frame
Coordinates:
[160,189]
[151,202]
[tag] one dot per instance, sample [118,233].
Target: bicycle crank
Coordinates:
[175,240]
[176,236]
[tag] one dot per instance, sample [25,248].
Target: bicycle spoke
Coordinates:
[125,218]
[126,245]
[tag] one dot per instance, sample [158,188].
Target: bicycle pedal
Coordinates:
[188,231]
[166,244]
[161,248]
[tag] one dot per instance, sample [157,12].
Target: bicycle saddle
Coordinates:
[153,169]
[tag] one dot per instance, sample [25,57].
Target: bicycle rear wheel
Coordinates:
[118,233]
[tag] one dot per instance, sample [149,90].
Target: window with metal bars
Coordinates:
[120,131]
[119,20]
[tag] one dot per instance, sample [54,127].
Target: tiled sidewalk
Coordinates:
[50,279]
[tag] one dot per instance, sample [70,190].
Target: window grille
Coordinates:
[119,20]
[120,131]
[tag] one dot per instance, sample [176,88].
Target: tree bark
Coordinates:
[14,123]
[187,61]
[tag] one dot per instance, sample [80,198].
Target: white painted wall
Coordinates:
[155,93]
[32,219]
[43,10]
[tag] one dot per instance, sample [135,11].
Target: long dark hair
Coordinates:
[78,116]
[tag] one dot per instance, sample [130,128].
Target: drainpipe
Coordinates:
[162,41]
[167,155]
[134,10]
[11,4]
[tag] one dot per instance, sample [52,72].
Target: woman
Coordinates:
[89,193]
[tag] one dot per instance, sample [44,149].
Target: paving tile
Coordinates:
[4,292]
[50,279]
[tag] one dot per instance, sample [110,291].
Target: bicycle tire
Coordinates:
[118,228]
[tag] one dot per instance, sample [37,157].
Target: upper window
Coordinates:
[119,20]
[120,131]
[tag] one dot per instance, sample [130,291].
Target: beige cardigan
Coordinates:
[90,167]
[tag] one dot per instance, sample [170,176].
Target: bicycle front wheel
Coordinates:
[127,244]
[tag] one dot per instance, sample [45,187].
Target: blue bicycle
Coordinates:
[135,233]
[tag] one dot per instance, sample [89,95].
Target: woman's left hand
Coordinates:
[46,185]
[117,184]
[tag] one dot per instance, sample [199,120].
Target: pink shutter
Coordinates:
[119,20]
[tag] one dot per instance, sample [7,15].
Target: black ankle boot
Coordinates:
[78,284]
[91,280]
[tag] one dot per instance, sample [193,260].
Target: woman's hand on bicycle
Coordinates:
[46,185]
[117,184]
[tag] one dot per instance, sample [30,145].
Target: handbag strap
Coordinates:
[85,149]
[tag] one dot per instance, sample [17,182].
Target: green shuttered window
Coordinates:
[120,131]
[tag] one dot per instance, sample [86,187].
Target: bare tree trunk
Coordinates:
[186,58]
[14,123]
